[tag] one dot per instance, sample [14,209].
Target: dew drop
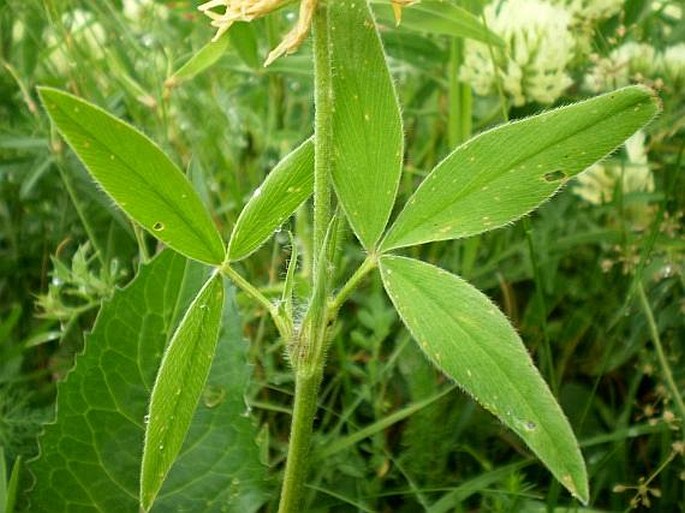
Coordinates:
[161,447]
[158,226]
[530,425]
[146,419]
[213,396]
[112,157]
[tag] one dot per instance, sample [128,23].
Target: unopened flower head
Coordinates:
[629,62]
[591,10]
[585,16]
[538,47]
[248,10]
[85,33]
[597,184]
[673,65]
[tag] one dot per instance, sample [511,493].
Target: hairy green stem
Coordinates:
[306,395]
[661,355]
[367,266]
[283,329]
[323,132]
[308,354]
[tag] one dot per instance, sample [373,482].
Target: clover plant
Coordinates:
[350,169]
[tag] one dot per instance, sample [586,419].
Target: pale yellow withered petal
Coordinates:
[248,10]
[397,6]
[294,38]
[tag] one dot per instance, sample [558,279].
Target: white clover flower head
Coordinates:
[18,31]
[134,10]
[585,16]
[248,10]
[585,11]
[629,62]
[85,32]
[673,65]
[641,58]
[597,184]
[668,8]
[538,47]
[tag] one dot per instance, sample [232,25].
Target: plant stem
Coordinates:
[460,98]
[323,136]
[308,355]
[661,355]
[364,269]
[306,395]
[283,329]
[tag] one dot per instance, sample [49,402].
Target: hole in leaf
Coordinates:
[213,396]
[554,176]
[158,226]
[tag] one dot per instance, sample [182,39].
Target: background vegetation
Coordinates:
[393,434]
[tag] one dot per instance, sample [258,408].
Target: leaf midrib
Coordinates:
[489,358]
[178,212]
[473,184]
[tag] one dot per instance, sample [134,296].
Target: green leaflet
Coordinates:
[203,59]
[367,128]
[472,342]
[439,17]
[179,385]
[502,174]
[137,175]
[288,185]
[91,455]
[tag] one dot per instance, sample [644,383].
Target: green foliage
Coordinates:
[366,124]
[200,61]
[286,187]
[468,338]
[137,175]
[91,456]
[440,17]
[180,381]
[502,174]
[391,435]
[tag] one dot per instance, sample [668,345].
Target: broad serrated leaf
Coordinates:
[137,175]
[504,173]
[178,387]
[367,128]
[288,185]
[464,334]
[91,455]
[439,17]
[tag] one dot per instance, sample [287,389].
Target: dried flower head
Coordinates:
[248,10]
